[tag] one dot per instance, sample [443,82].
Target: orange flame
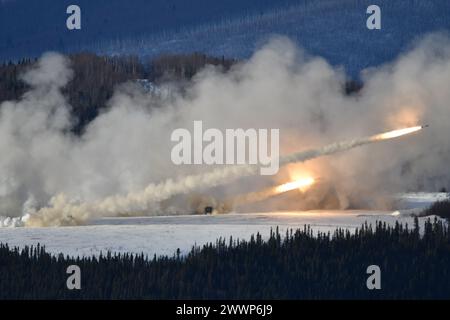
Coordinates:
[301,184]
[396,133]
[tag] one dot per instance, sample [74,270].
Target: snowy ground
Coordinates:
[164,235]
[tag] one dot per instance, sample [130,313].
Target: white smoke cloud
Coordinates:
[45,167]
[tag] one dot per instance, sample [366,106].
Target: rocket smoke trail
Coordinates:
[63,212]
[345,145]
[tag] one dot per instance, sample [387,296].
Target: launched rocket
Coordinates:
[64,212]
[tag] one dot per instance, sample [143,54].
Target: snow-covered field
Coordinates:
[164,235]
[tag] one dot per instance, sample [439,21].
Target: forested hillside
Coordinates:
[296,265]
[332,29]
[96,77]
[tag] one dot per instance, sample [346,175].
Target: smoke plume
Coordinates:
[121,164]
[63,212]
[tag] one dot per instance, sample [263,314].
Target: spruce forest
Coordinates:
[295,265]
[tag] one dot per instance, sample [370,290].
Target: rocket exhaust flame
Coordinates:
[64,212]
[301,184]
[397,133]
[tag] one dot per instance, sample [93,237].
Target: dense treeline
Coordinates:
[439,208]
[184,66]
[95,78]
[297,265]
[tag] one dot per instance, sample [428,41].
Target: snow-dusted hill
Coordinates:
[333,29]
[419,200]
